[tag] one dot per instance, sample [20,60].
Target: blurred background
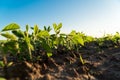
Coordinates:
[93,17]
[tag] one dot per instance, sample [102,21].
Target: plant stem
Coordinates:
[30,54]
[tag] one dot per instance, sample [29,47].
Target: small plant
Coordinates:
[10,43]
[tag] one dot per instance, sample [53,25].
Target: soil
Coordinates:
[100,64]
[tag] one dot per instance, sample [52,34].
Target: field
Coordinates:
[43,56]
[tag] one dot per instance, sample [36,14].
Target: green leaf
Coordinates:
[88,38]
[9,36]
[73,32]
[80,41]
[43,34]
[63,35]
[57,28]
[45,28]
[11,26]
[2,64]
[36,29]
[11,47]
[49,54]
[27,40]
[77,40]
[49,28]
[27,28]
[18,33]
[46,46]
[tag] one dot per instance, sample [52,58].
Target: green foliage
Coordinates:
[36,30]
[9,36]
[26,44]
[76,38]
[108,40]
[43,34]
[27,40]
[37,45]
[11,26]
[18,33]
[88,39]
[47,28]
[11,47]
[57,27]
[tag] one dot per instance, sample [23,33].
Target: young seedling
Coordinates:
[81,60]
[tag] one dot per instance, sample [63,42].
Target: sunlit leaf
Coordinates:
[43,34]
[77,39]
[11,26]
[80,41]
[73,32]
[9,36]
[57,27]
[36,29]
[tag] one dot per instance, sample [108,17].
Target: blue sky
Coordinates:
[93,17]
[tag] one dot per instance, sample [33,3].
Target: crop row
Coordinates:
[26,45]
